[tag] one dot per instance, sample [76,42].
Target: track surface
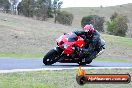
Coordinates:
[30,63]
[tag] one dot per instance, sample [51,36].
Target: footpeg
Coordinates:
[83,60]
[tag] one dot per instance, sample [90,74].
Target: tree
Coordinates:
[26,8]
[4,5]
[118,25]
[13,6]
[56,7]
[43,9]
[64,17]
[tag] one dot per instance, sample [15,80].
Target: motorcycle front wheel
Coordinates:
[51,57]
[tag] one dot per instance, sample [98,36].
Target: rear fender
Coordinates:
[102,44]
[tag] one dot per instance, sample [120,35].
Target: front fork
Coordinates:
[58,49]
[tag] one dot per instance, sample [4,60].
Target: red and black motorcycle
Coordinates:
[66,51]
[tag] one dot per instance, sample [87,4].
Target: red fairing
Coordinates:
[80,42]
[69,49]
[67,41]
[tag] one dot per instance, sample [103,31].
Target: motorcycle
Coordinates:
[67,50]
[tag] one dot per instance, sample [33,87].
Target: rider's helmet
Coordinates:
[89,28]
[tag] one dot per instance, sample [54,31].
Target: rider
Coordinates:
[92,40]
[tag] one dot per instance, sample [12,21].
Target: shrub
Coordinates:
[95,20]
[113,16]
[117,26]
[86,20]
[64,17]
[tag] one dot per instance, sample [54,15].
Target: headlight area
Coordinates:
[74,47]
[64,46]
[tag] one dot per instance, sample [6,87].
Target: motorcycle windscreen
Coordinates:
[72,37]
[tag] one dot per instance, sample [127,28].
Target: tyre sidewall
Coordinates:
[51,55]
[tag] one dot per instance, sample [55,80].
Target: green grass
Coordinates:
[56,79]
[121,41]
[113,60]
[24,55]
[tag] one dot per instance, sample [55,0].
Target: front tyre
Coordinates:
[51,57]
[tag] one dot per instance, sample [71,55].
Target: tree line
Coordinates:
[39,9]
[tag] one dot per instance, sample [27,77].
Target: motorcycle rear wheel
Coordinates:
[51,57]
[88,62]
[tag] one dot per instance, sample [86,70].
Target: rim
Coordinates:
[51,59]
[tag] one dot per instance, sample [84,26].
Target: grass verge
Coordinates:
[113,60]
[56,79]
[23,55]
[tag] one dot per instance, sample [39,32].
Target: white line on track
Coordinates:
[41,69]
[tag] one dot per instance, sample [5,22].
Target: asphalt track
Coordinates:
[36,63]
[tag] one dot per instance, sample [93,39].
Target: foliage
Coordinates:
[95,20]
[113,16]
[118,25]
[4,5]
[64,18]
[41,9]
[56,8]
[26,8]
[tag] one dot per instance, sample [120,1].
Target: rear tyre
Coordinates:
[88,62]
[51,57]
